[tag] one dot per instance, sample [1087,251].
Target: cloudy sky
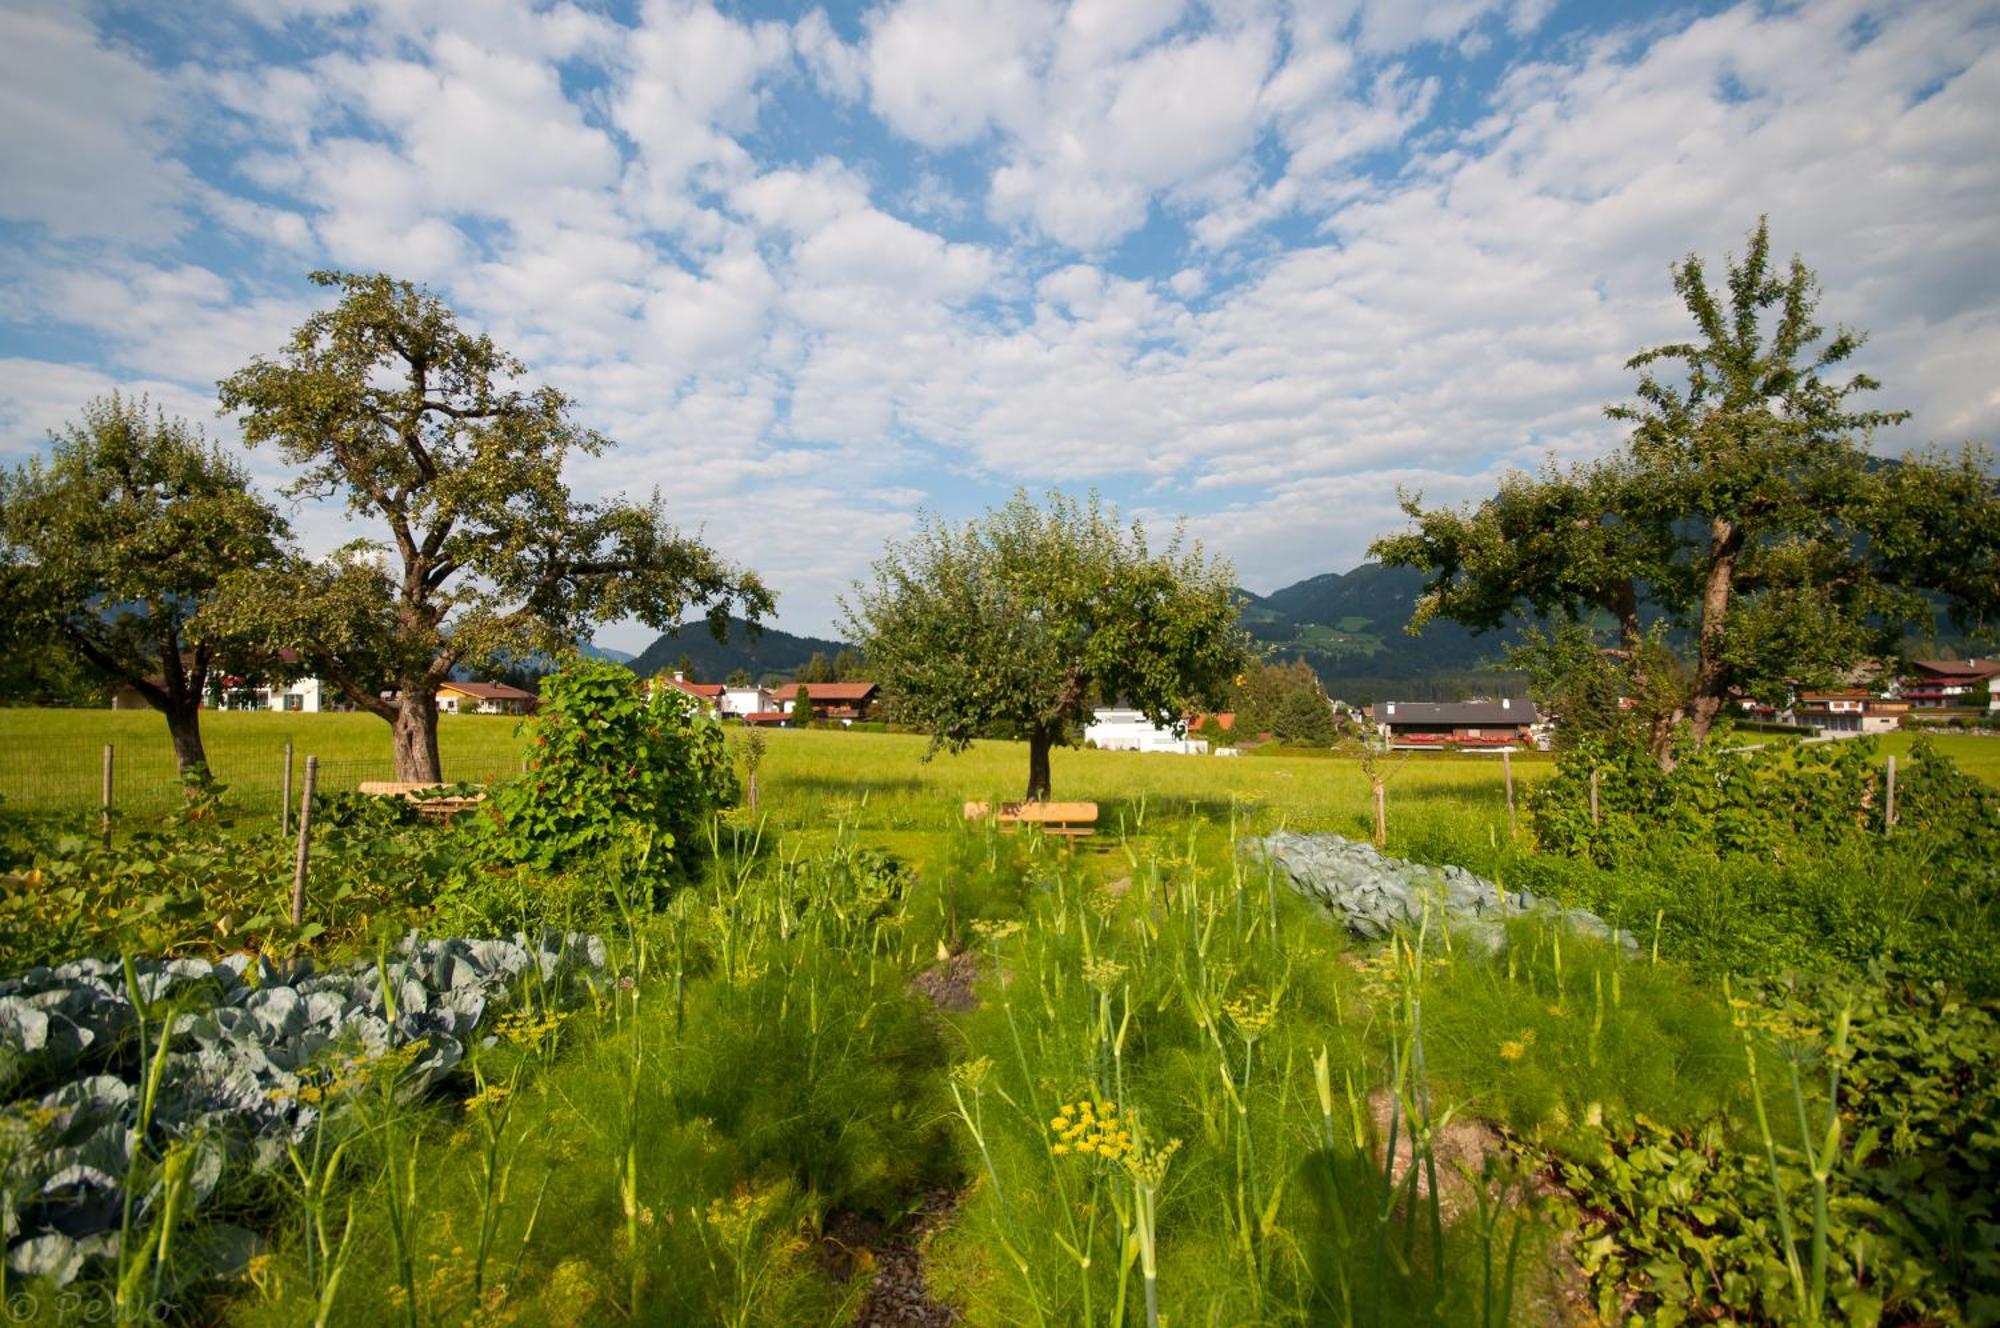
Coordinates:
[1254,262]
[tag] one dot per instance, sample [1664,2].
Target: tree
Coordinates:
[738,677]
[1027,615]
[1261,690]
[427,430]
[113,546]
[1305,718]
[802,706]
[684,669]
[1744,507]
[847,666]
[816,669]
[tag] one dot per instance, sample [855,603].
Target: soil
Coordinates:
[949,982]
[898,1296]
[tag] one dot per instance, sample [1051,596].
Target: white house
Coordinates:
[740,700]
[306,696]
[1120,730]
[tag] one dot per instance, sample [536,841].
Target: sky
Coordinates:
[1258,264]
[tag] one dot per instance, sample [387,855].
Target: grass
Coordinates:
[760,1095]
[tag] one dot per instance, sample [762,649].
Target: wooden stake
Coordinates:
[1507,769]
[305,843]
[104,799]
[1889,803]
[1593,798]
[285,795]
[1381,815]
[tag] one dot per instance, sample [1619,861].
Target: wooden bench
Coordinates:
[438,805]
[1073,820]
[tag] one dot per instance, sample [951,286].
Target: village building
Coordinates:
[484,698]
[1506,724]
[1118,729]
[1936,683]
[708,693]
[844,702]
[740,701]
[1849,712]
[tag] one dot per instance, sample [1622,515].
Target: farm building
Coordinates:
[843,701]
[1424,725]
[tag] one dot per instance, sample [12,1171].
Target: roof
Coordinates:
[488,691]
[837,691]
[1226,718]
[1508,712]
[1969,669]
[1839,694]
[707,691]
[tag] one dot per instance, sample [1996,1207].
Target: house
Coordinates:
[1506,724]
[738,702]
[1947,682]
[708,693]
[843,701]
[484,698]
[1117,729]
[1849,711]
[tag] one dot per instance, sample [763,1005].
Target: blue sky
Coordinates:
[1255,263]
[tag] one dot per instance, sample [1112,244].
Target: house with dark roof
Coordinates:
[1435,725]
[1947,682]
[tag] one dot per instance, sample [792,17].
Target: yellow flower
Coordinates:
[1515,1048]
[490,1096]
[1089,1129]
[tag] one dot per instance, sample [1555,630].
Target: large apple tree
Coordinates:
[1744,509]
[1021,619]
[112,546]
[433,437]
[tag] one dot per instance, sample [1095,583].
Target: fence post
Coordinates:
[104,799]
[285,794]
[1507,769]
[1889,803]
[305,843]
[1593,797]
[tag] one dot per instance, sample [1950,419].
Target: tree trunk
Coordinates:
[1711,675]
[184,727]
[417,736]
[1039,743]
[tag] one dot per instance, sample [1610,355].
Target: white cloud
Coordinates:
[83,149]
[783,324]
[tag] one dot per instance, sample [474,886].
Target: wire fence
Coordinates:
[72,777]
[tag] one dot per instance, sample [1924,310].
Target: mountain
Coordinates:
[591,650]
[770,654]
[1349,627]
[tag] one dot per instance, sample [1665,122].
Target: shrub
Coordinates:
[612,771]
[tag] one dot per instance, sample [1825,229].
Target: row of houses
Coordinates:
[751,703]
[1507,724]
[1933,685]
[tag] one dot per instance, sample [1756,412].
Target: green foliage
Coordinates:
[1261,690]
[802,706]
[1744,508]
[114,545]
[614,772]
[1681,1224]
[196,884]
[1305,719]
[384,400]
[1026,616]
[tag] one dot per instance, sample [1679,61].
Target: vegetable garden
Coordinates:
[616,1049]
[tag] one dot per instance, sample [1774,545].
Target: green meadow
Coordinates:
[853,1060]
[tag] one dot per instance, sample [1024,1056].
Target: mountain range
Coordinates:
[1347,625]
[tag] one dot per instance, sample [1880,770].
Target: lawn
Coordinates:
[52,760]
